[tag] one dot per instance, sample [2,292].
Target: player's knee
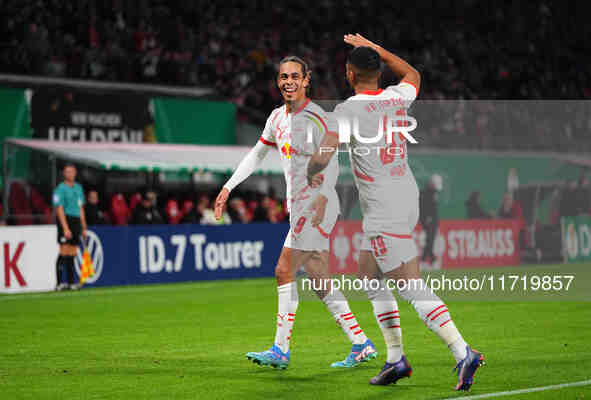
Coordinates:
[282,271]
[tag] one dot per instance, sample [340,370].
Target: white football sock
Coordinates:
[339,308]
[436,315]
[386,312]
[286,311]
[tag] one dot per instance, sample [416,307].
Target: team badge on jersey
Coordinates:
[288,151]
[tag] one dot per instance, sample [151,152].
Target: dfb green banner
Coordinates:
[576,238]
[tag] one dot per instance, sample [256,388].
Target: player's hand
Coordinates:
[68,233]
[319,208]
[357,41]
[220,202]
[315,180]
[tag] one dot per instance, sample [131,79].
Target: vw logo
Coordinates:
[95,248]
[572,244]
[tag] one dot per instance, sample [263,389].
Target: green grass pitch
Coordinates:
[188,341]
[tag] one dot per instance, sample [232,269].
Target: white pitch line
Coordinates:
[522,391]
[101,292]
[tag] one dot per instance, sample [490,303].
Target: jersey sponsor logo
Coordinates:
[95,248]
[287,150]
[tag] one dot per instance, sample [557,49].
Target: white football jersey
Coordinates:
[297,136]
[387,187]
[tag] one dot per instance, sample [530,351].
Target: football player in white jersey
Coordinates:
[296,130]
[389,200]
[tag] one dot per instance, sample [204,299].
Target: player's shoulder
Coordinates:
[78,186]
[313,107]
[314,111]
[344,105]
[276,113]
[404,89]
[61,186]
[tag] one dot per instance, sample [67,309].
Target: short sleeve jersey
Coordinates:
[380,169]
[69,197]
[297,136]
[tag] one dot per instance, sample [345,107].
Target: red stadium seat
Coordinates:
[19,204]
[40,206]
[120,212]
[253,205]
[188,206]
[135,199]
[173,212]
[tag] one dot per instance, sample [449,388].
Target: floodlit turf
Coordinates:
[188,341]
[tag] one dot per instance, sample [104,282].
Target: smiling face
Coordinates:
[291,81]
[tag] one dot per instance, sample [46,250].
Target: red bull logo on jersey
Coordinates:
[287,150]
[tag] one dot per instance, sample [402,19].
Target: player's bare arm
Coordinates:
[397,65]
[83,221]
[246,167]
[321,158]
[220,202]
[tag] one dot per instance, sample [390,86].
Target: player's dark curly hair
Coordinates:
[364,58]
[305,69]
[366,63]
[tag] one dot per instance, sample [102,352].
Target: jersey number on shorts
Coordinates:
[299,225]
[389,152]
[378,246]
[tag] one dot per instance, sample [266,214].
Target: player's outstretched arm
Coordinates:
[321,158]
[246,167]
[401,68]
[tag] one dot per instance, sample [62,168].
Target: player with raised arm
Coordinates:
[389,199]
[296,129]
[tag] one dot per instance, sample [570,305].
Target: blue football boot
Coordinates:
[359,353]
[467,367]
[273,357]
[392,372]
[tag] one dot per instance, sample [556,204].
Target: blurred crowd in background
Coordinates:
[157,206]
[146,206]
[464,49]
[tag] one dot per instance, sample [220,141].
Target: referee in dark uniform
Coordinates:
[68,200]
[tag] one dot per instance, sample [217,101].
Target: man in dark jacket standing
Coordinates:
[94,214]
[145,212]
[429,215]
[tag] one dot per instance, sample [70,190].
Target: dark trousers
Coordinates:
[430,231]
